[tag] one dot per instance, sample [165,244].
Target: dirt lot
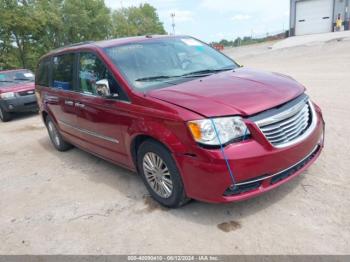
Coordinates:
[75,203]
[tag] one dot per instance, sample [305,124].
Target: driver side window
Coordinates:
[95,78]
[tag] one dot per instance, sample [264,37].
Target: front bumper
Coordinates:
[257,166]
[18,104]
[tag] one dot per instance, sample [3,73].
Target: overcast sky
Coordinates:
[212,20]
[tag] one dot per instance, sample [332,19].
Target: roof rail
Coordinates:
[74,44]
[80,43]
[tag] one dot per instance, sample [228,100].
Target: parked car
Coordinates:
[16,93]
[218,47]
[187,118]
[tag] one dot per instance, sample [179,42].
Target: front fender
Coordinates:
[171,134]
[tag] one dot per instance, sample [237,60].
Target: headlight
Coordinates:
[228,128]
[7,95]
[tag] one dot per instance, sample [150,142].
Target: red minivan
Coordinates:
[188,119]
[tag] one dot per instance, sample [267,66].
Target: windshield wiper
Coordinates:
[6,81]
[155,78]
[191,74]
[206,72]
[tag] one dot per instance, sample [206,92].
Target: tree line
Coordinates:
[31,28]
[249,40]
[240,41]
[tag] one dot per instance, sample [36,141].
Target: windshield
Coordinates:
[159,63]
[10,78]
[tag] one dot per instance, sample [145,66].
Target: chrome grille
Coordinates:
[289,126]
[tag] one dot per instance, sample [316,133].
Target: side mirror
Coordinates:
[102,88]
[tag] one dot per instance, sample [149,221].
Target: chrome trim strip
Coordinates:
[263,178]
[110,139]
[88,95]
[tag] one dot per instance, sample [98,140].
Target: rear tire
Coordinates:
[5,116]
[160,174]
[56,138]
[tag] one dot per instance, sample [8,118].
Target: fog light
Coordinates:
[11,107]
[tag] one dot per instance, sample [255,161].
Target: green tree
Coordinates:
[237,42]
[8,58]
[135,21]
[225,42]
[31,28]
[49,33]
[18,20]
[85,20]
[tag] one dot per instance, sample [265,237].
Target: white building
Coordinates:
[317,16]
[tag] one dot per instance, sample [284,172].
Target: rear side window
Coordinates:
[42,73]
[63,72]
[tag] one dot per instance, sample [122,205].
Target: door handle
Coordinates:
[80,105]
[68,102]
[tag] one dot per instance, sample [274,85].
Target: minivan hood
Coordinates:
[240,92]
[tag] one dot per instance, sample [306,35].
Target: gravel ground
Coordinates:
[75,203]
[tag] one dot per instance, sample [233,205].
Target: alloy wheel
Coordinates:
[157,174]
[54,133]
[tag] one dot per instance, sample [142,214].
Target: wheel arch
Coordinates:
[170,134]
[45,114]
[136,143]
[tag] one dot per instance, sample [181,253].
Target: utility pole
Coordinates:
[126,18]
[347,17]
[173,22]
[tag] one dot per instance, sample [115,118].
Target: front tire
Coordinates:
[56,138]
[5,116]
[160,174]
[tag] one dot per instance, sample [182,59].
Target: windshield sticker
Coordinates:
[28,75]
[191,42]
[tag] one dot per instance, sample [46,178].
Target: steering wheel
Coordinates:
[186,63]
[190,65]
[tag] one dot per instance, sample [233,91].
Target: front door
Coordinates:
[100,118]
